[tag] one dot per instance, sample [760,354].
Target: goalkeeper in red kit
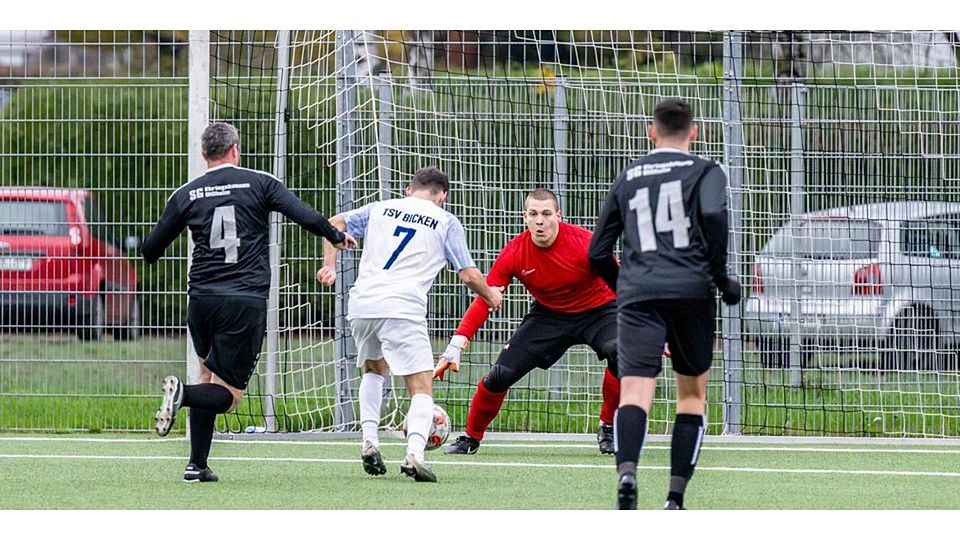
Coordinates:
[572,306]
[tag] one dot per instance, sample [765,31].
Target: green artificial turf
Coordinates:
[145,473]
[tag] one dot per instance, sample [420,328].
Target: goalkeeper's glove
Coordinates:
[729,290]
[450,359]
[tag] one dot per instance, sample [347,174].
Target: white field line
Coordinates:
[712,448]
[499,464]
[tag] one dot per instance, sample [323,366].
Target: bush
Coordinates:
[126,141]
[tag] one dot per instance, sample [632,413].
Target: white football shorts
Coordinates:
[404,344]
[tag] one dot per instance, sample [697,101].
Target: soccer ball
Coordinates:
[439,431]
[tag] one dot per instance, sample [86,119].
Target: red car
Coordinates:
[55,272]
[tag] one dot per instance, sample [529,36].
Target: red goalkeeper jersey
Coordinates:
[559,277]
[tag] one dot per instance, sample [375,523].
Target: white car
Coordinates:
[880,277]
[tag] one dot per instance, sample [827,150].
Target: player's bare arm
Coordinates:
[327,274]
[474,280]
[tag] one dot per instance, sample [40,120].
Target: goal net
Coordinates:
[848,322]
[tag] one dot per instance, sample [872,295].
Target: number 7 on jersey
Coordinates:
[408,234]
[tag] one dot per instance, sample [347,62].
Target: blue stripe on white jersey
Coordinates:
[357,220]
[455,247]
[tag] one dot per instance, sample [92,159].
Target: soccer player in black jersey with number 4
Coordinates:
[670,207]
[228,212]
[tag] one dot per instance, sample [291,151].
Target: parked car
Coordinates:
[883,276]
[55,272]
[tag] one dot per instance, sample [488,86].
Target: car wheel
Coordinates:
[129,329]
[912,343]
[90,327]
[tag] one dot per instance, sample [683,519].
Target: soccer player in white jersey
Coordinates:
[408,241]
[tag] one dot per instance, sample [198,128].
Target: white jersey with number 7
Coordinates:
[406,244]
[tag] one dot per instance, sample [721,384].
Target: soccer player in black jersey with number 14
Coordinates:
[228,212]
[670,207]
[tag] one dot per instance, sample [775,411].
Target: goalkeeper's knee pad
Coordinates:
[500,379]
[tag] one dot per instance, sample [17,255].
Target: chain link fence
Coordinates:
[842,151]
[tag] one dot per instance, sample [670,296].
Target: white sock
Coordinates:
[419,419]
[371,397]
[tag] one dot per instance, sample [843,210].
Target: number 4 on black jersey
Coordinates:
[227,210]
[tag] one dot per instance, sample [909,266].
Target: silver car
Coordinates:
[877,277]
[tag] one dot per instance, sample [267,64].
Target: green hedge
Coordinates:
[126,140]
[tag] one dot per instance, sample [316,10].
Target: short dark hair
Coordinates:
[217,139]
[543,194]
[673,117]
[430,178]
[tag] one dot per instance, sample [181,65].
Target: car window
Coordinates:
[33,218]
[935,237]
[833,239]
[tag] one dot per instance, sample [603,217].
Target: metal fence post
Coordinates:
[198,116]
[560,156]
[385,135]
[796,210]
[344,348]
[384,85]
[560,151]
[279,170]
[733,159]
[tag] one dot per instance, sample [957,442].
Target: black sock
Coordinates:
[684,450]
[630,427]
[209,396]
[201,435]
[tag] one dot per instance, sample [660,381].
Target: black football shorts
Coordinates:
[227,332]
[545,335]
[687,325]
